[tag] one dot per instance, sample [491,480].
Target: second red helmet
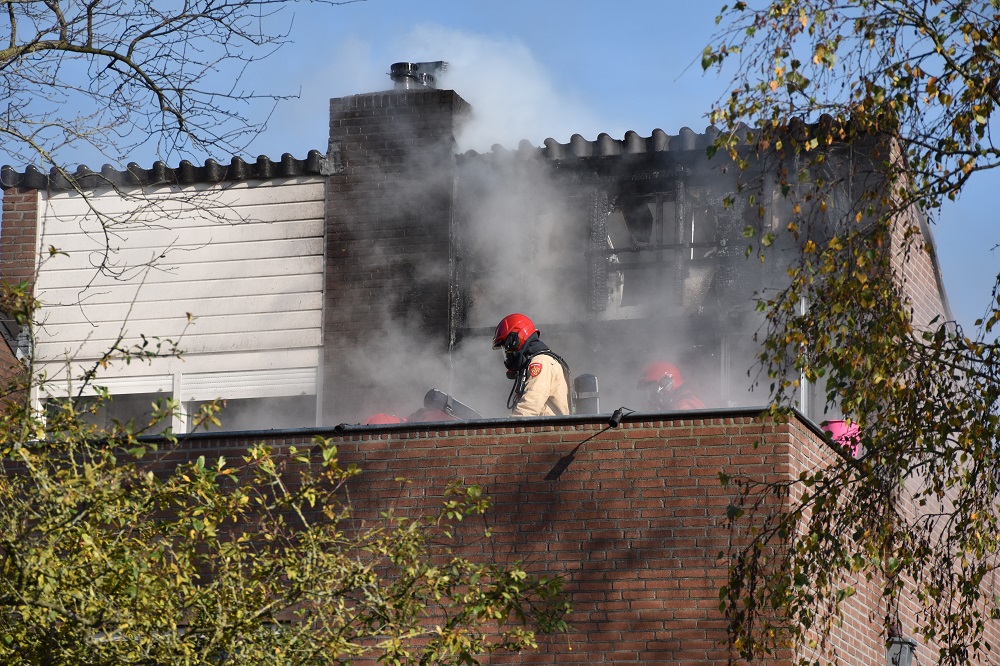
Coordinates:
[658,371]
[513,331]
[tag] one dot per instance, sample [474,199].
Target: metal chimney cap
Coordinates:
[412,75]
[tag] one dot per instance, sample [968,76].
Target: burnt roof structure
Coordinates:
[316,163]
[624,249]
[606,146]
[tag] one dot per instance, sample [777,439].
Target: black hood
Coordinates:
[518,360]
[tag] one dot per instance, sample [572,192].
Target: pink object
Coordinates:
[848,436]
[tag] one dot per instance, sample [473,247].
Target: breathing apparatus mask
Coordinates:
[513,357]
[516,355]
[659,393]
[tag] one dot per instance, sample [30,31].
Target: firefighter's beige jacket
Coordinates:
[546,392]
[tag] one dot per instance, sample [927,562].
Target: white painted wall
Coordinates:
[233,273]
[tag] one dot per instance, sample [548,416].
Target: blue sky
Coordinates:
[549,69]
[558,71]
[538,69]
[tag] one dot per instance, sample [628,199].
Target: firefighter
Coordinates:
[541,377]
[665,389]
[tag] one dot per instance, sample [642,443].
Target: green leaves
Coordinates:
[865,117]
[111,556]
[932,90]
[164,564]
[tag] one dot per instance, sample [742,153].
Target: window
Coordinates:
[133,408]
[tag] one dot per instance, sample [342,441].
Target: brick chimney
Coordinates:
[389,213]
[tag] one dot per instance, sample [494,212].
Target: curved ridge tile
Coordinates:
[607,146]
[526,150]
[554,150]
[686,139]
[660,141]
[160,174]
[34,178]
[634,143]
[580,147]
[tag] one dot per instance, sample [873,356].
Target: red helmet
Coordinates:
[382,418]
[662,373]
[513,331]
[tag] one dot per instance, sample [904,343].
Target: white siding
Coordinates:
[232,273]
[235,385]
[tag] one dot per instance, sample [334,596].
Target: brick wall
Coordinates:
[635,522]
[389,216]
[18,257]
[18,242]
[916,266]
[858,639]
